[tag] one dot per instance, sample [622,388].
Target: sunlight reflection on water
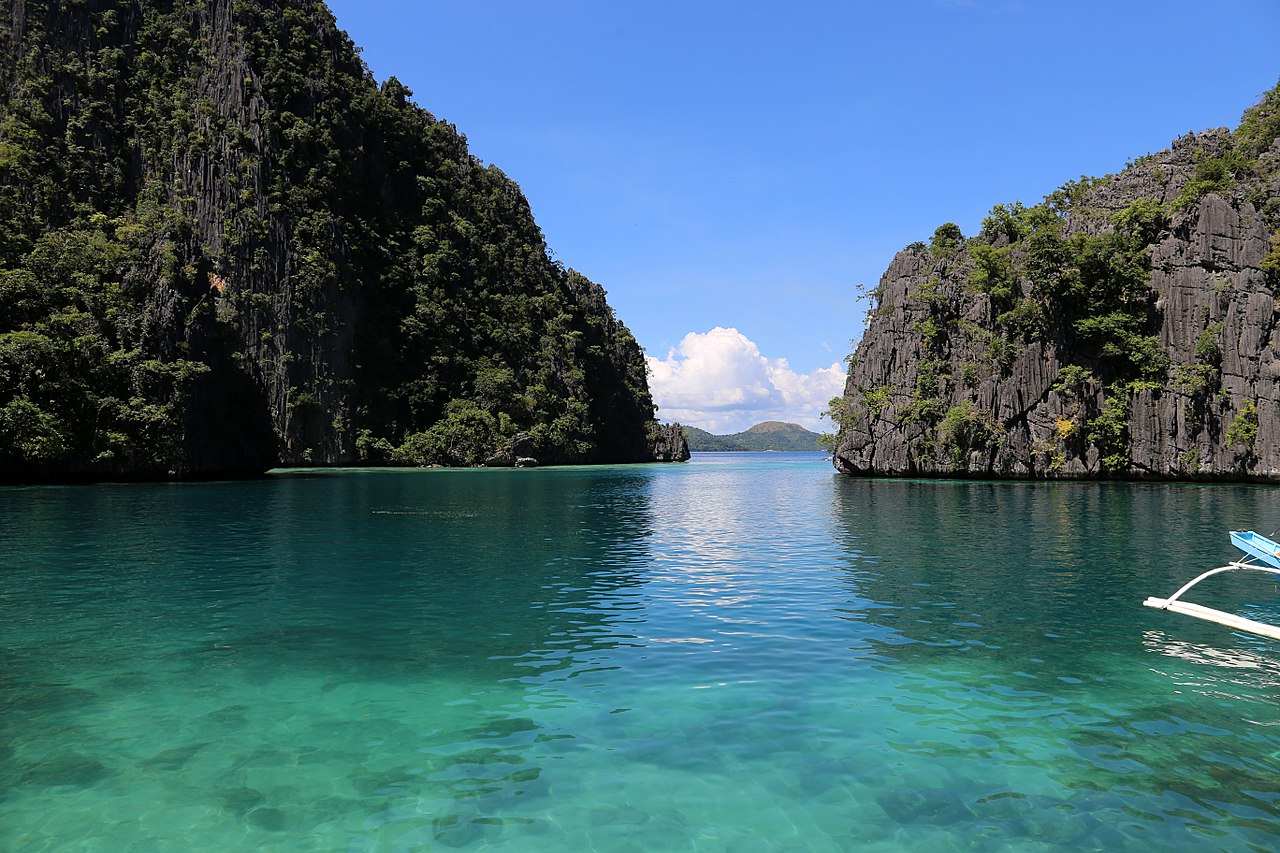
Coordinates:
[739,653]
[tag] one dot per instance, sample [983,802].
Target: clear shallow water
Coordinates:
[748,652]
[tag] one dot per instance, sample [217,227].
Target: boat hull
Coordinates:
[1257,546]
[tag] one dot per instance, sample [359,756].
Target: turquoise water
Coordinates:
[748,652]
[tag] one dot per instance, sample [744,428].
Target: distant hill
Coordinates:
[770,435]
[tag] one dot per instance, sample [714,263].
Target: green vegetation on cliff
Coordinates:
[1121,327]
[222,244]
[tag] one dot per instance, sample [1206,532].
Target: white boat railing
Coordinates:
[1230,620]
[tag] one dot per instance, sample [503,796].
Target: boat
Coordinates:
[1257,546]
[1261,554]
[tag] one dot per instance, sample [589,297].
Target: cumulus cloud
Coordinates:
[719,381]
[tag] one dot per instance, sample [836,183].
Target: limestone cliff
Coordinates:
[223,246]
[670,444]
[1126,327]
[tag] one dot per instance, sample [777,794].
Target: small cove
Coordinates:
[748,652]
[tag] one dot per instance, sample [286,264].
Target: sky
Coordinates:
[730,172]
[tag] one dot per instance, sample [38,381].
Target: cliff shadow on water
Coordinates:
[443,616]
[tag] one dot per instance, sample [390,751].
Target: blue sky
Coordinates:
[729,171]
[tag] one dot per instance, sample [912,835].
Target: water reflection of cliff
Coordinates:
[1016,560]
[373,573]
[487,574]
[1008,620]
[399,633]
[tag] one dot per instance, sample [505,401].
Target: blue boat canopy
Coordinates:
[1258,546]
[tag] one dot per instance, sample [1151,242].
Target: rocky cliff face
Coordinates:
[1127,327]
[669,444]
[223,247]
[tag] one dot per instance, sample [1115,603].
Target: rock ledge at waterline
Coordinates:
[1126,327]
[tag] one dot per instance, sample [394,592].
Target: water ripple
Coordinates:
[747,652]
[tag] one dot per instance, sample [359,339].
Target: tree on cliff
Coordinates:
[1125,326]
[222,245]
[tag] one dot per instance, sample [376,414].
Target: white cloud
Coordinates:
[719,381]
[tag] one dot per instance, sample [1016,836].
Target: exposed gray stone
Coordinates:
[501,459]
[522,444]
[1206,269]
[670,444]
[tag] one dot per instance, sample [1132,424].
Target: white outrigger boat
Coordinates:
[1260,554]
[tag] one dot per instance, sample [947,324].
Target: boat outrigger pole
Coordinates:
[1261,555]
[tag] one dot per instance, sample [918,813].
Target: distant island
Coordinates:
[770,435]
